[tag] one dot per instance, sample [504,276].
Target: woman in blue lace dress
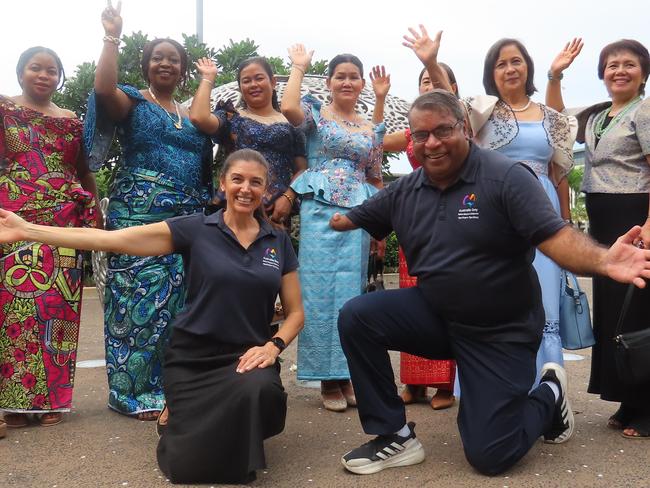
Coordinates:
[163,172]
[344,152]
[256,124]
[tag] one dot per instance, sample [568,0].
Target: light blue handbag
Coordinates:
[575,322]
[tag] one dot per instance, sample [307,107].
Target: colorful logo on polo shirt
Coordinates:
[469,200]
[469,209]
[270,258]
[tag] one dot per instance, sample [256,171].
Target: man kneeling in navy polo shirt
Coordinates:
[468,222]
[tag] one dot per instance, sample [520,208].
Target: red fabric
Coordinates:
[415,370]
[415,164]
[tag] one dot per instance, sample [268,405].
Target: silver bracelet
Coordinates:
[209,81]
[112,40]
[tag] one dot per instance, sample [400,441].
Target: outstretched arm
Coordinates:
[342,223]
[143,240]
[623,262]
[380,85]
[395,141]
[426,49]
[561,62]
[200,114]
[290,105]
[114,100]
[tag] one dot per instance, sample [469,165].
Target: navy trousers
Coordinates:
[499,418]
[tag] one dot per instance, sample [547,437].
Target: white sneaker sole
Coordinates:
[414,454]
[560,372]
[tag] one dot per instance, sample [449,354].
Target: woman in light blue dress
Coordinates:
[509,122]
[344,152]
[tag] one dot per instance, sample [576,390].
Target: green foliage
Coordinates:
[75,92]
[575,177]
[278,65]
[230,55]
[318,67]
[385,163]
[103,178]
[391,257]
[129,64]
[195,51]
[578,209]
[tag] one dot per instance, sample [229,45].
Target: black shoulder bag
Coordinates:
[632,349]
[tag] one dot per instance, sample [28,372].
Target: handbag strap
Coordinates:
[626,306]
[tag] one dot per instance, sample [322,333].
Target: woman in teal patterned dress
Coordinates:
[344,153]
[163,172]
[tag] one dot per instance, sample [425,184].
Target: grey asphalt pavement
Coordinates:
[96,447]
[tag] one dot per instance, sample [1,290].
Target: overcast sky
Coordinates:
[370,29]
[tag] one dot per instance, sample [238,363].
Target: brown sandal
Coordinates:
[16,420]
[161,421]
[148,416]
[414,394]
[51,418]
[442,399]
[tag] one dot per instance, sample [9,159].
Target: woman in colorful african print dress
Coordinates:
[45,179]
[344,153]
[163,172]
[256,123]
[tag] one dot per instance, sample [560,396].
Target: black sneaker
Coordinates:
[563,423]
[385,451]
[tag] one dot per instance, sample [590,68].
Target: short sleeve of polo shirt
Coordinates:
[290,259]
[374,215]
[529,209]
[183,228]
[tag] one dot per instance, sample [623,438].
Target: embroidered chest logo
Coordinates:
[270,258]
[469,209]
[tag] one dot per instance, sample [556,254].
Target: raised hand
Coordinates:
[112,20]
[299,56]
[425,48]
[566,56]
[207,68]
[12,227]
[380,81]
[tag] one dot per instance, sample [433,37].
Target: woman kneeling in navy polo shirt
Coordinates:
[222,381]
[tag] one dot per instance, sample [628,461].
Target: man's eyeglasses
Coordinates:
[441,132]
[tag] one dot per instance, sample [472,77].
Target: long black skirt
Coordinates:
[218,418]
[610,216]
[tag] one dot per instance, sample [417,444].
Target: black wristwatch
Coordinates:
[279,343]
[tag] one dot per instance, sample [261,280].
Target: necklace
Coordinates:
[338,117]
[522,109]
[179,123]
[599,126]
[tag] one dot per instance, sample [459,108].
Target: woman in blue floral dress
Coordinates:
[256,124]
[344,153]
[164,171]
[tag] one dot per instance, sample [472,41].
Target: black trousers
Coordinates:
[499,419]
